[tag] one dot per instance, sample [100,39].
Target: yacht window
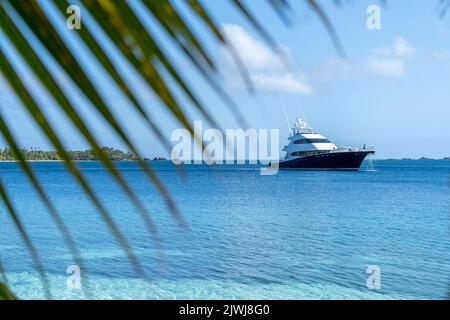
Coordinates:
[306,141]
[306,153]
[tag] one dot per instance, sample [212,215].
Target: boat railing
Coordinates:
[351,149]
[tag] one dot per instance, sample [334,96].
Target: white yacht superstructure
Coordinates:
[310,150]
[303,141]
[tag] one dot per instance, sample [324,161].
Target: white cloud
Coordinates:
[285,82]
[264,66]
[256,55]
[387,61]
[386,66]
[403,48]
[391,61]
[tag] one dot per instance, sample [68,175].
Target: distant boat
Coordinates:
[308,150]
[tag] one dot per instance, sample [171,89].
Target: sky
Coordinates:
[391,89]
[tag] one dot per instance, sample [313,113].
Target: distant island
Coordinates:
[7,154]
[421,158]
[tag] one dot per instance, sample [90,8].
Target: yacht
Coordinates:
[309,150]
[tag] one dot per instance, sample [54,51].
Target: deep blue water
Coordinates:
[290,236]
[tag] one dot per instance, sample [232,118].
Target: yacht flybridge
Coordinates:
[310,150]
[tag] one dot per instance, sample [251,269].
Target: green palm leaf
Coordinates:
[145,54]
[26,238]
[5,293]
[27,52]
[34,110]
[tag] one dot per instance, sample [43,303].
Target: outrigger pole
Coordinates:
[285,115]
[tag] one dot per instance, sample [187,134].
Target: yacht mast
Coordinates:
[303,115]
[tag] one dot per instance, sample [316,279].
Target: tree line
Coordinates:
[7,154]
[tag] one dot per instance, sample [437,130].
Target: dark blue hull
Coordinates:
[349,160]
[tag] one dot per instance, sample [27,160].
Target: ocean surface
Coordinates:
[294,235]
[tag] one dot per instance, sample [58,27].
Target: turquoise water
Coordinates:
[294,235]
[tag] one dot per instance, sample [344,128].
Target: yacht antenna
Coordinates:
[285,115]
[303,114]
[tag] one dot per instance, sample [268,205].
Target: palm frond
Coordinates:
[26,168]
[107,15]
[282,8]
[444,6]
[143,51]
[38,67]
[40,119]
[257,25]
[328,25]
[58,49]
[26,238]
[103,58]
[5,293]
